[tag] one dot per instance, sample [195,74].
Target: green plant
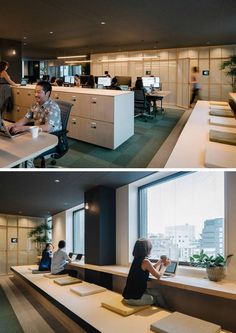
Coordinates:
[41,236]
[230,66]
[205,261]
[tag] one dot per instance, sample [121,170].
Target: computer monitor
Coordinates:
[157,83]
[148,81]
[104,80]
[24,81]
[69,79]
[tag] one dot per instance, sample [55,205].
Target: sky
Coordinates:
[189,199]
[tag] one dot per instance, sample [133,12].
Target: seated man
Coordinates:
[45,113]
[60,259]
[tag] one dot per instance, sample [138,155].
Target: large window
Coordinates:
[183,214]
[78,231]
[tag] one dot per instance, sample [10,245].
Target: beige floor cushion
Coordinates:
[85,289]
[64,281]
[221,113]
[222,137]
[218,103]
[116,305]
[180,323]
[222,121]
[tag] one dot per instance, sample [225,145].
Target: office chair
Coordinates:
[141,105]
[62,146]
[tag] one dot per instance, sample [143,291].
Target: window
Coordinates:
[78,231]
[183,214]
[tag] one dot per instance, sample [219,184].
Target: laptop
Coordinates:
[171,269]
[5,131]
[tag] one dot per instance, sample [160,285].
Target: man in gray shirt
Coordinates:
[60,259]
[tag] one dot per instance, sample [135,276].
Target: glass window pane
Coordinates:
[78,231]
[183,215]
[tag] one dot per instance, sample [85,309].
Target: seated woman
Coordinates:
[136,291]
[45,262]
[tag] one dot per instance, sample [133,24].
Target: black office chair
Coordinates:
[141,105]
[62,146]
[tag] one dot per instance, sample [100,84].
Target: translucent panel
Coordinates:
[23,239]
[164,55]
[3,262]
[215,71]
[32,258]
[226,89]
[172,54]
[204,93]
[215,52]
[173,93]
[204,52]
[164,73]
[185,96]
[3,239]
[225,79]
[203,65]
[147,67]
[11,236]
[155,68]
[227,51]
[22,222]
[215,92]
[193,53]
[3,220]
[11,220]
[12,260]
[183,53]
[172,71]
[22,258]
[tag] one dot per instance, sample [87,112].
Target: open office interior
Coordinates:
[158,42]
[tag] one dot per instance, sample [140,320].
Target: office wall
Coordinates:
[168,64]
[21,252]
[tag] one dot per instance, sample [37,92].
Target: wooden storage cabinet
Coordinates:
[101,117]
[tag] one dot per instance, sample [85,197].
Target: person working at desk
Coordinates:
[45,113]
[114,84]
[136,292]
[45,262]
[5,89]
[77,80]
[60,259]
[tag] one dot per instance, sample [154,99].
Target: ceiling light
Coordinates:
[72,57]
[57,180]
[86,206]
[103,23]
[24,37]
[51,32]
[130,59]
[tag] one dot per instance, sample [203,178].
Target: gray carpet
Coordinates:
[8,320]
[136,152]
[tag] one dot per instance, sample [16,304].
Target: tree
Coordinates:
[41,235]
[230,66]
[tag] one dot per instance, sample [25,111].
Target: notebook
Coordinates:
[64,281]
[223,137]
[5,131]
[85,289]
[180,323]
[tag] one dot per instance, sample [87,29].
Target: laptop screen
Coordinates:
[171,269]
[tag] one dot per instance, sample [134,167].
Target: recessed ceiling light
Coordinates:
[51,32]
[103,22]
[20,212]
[57,180]
[24,37]
[25,44]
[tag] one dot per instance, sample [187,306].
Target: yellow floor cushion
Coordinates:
[116,305]
[221,113]
[53,276]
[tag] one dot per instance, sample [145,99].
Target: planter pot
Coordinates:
[215,273]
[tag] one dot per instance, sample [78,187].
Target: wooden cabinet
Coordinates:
[101,117]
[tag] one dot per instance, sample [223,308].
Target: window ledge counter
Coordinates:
[224,288]
[194,149]
[86,311]
[98,116]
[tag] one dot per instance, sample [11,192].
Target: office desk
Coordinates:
[157,96]
[22,148]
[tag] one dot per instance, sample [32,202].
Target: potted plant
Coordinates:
[230,66]
[215,265]
[41,236]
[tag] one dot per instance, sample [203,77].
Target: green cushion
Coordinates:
[223,137]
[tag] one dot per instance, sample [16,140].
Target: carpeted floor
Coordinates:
[8,320]
[136,152]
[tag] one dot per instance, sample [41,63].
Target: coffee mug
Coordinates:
[34,131]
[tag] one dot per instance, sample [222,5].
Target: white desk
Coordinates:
[22,148]
[190,149]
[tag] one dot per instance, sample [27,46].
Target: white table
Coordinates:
[14,151]
[190,149]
